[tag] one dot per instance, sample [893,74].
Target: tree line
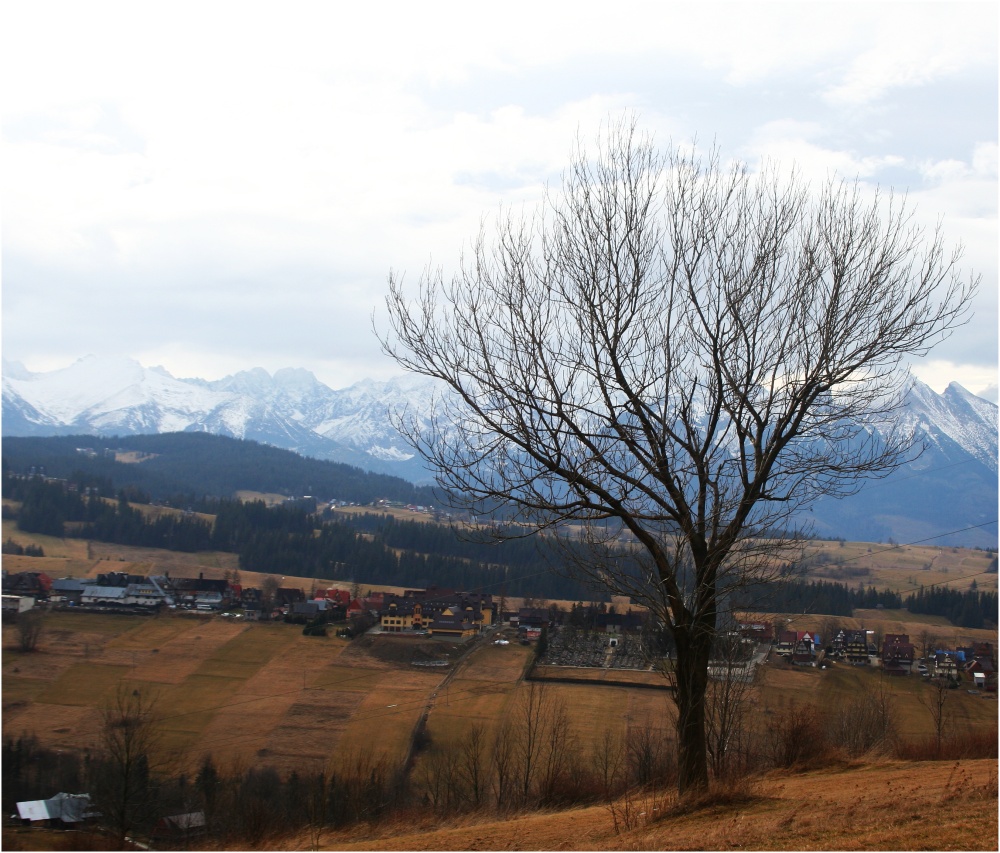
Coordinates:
[970,608]
[291,539]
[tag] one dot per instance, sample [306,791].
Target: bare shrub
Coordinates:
[650,755]
[797,737]
[30,626]
[962,745]
[866,722]
[472,765]
[724,792]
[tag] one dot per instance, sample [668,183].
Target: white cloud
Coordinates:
[188,179]
[939,374]
[909,45]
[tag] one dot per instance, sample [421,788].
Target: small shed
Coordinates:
[174,832]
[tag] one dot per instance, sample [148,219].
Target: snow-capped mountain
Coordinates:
[953,485]
[291,409]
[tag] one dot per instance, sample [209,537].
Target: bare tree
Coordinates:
[532,718]
[30,626]
[678,350]
[828,629]
[608,762]
[928,640]
[504,765]
[728,703]
[123,792]
[867,720]
[472,764]
[935,700]
[557,753]
[269,587]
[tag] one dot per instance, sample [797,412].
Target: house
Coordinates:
[856,648]
[187,591]
[946,663]
[530,618]
[334,595]
[456,625]
[802,641]
[309,609]
[62,810]
[804,651]
[14,604]
[208,600]
[400,614]
[67,590]
[33,584]
[630,622]
[838,645]
[417,610]
[286,596]
[982,672]
[146,593]
[96,595]
[177,828]
[118,579]
[762,632]
[434,599]
[897,654]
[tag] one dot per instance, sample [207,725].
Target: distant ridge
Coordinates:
[952,486]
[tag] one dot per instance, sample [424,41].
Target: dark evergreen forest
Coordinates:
[186,467]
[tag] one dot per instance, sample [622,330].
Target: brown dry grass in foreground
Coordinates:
[885,806]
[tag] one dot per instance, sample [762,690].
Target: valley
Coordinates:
[263,704]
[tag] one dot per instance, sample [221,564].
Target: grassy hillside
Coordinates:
[247,692]
[885,806]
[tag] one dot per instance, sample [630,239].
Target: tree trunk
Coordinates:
[691,685]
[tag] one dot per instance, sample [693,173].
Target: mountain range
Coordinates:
[951,487]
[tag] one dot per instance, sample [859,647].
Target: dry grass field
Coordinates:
[902,569]
[264,693]
[269,498]
[243,692]
[254,694]
[884,806]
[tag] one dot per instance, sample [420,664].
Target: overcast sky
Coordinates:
[218,186]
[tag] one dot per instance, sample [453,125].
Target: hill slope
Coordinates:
[890,806]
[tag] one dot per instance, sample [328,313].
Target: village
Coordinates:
[582,635]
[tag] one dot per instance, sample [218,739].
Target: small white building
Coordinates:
[14,604]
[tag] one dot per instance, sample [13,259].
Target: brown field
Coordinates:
[885,806]
[133,457]
[270,498]
[254,694]
[902,569]
[263,692]
[396,512]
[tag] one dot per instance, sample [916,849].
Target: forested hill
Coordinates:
[196,464]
